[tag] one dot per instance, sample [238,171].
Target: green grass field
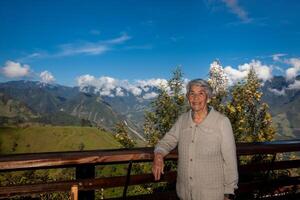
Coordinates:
[35,139]
[54,138]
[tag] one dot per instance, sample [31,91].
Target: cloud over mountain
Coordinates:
[108,86]
[277,92]
[47,77]
[294,86]
[292,72]
[264,72]
[15,70]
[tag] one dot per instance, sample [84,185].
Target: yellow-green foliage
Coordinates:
[54,138]
[165,109]
[249,116]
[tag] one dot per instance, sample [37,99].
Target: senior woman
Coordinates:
[207,163]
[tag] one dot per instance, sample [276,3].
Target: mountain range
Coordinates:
[37,102]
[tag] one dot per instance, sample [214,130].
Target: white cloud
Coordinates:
[292,72]
[295,62]
[81,48]
[235,8]
[85,80]
[14,69]
[294,86]
[135,90]
[153,82]
[263,72]
[123,38]
[119,92]
[277,92]
[108,86]
[277,57]
[234,75]
[90,48]
[105,85]
[86,48]
[47,77]
[150,95]
[35,55]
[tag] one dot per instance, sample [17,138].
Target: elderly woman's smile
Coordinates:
[197,98]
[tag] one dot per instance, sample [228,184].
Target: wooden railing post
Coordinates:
[84,172]
[127,180]
[74,192]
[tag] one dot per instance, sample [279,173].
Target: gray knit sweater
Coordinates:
[207,163]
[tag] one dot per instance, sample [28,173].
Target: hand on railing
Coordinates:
[158,166]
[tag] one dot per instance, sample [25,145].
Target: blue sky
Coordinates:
[141,40]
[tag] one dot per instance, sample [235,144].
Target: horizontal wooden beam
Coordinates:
[287,164]
[84,184]
[71,159]
[92,184]
[268,147]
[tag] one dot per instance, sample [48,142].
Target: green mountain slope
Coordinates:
[54,138]
[285,108]
[13,111]
[94,109]
[13,108]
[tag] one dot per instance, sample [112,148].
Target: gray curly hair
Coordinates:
[202,83]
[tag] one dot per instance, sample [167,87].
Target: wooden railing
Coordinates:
[85,162]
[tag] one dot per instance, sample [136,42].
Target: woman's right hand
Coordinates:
[158,165]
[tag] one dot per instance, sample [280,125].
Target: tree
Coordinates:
[121,135]
[81,146]
[85,122]
[249,116]
[219,84]
[165,109]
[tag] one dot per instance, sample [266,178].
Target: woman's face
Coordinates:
[197,98]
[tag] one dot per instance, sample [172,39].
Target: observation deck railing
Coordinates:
[85,162]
